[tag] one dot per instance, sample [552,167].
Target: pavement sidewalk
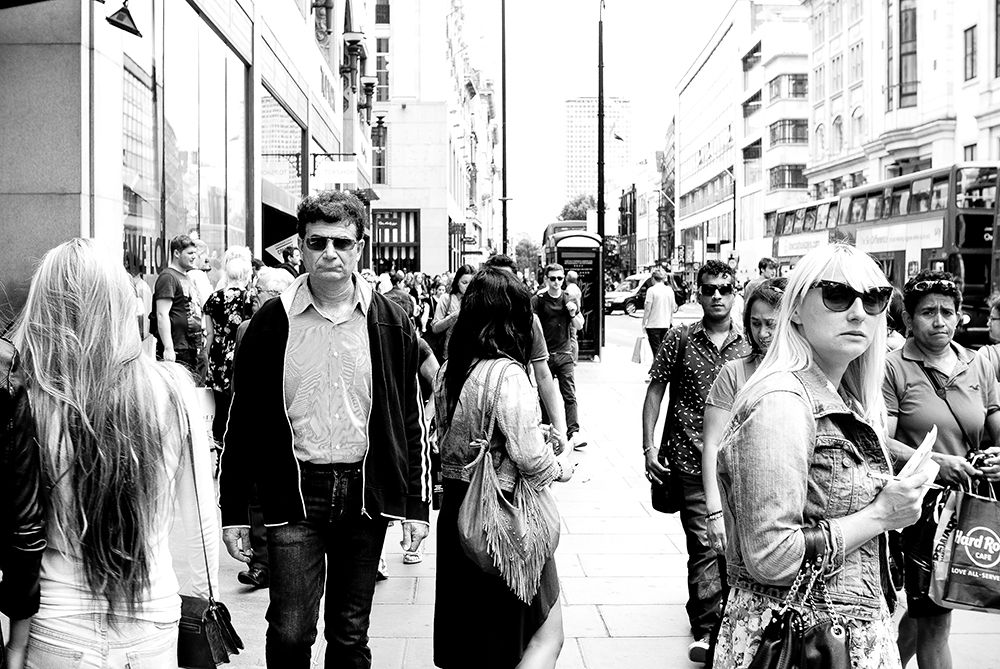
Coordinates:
[622,565]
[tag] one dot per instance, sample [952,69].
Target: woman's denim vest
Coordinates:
[795,454]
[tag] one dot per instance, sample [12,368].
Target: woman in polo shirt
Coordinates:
[934,381]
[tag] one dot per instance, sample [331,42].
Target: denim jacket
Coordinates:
[518,447]
[795,454]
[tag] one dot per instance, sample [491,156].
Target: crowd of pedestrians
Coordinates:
[334,421]
[828,387]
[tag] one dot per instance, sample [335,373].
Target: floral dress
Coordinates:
[872,644]
[227,308]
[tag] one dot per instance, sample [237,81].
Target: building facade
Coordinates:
[738,155]
[214,121]
[581,148]
[900,86]
[434,135]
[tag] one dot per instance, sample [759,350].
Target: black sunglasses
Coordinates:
[318,243]
[839,296]
[554,278]
[708,289]
[935,285]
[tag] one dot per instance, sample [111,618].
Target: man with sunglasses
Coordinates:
[559,314]
[688,361]
[327,422]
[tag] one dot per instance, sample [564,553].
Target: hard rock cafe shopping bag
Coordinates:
[966,569]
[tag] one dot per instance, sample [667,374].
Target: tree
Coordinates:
[526,254]
[576,209]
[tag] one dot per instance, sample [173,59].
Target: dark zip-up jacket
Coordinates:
[258,440]
[22,515]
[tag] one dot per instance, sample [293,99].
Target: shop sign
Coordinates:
[331,173]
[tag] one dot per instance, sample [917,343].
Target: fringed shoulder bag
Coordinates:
[511,536]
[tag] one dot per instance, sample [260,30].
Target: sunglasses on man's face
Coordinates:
[839,296]
[935,285]
[709,289]
[318,243]
[555,278]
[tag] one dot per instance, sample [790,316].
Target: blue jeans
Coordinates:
[335,544]
[98,640]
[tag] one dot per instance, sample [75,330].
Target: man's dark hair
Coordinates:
[912,296]
[256,263]
[766,263]
[459,273]
[288,251]
[502,261]
[495,321]
[715,268]
[332,206]
[180,243]
[553,267]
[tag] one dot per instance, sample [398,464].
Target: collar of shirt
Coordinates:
[300,297]
[913,353]
[735,332]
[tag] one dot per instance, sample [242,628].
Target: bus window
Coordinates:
[858,204]
[921,200]
[769,227]
[810,222]
[977,187]
[874,207]
[821,215]
[831,220]
[939,193]
[900,200]
[974,231]
[844,210]
[789,222]
[800,217]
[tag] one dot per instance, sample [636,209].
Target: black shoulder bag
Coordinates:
[206,636]
[797,638]
[668,496]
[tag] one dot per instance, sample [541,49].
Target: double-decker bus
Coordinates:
[941,219]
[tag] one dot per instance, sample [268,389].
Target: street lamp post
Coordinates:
[600,179]
[503,112]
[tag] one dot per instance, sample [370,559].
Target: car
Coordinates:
[630,295]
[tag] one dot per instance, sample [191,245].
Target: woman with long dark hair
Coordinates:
[449,305]
[759,320]
[478,619]
[117,432]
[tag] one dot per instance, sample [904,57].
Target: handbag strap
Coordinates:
[483,429]
[197,501]
[812,567]
[942,392]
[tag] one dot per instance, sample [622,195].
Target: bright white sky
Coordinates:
[552,56]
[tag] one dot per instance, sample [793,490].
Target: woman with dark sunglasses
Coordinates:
[804,459]
[932,380]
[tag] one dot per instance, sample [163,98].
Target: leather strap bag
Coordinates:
[796,637]
[206,636]
[511,537]
[668,496]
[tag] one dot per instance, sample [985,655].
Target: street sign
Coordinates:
[331,173]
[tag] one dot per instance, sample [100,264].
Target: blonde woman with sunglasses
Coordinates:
[805,458]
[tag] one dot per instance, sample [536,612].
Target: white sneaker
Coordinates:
[698,650]
[578,441]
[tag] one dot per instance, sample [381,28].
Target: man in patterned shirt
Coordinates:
[688,361]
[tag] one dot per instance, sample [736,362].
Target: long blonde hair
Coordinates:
[95,401]
[791,352]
